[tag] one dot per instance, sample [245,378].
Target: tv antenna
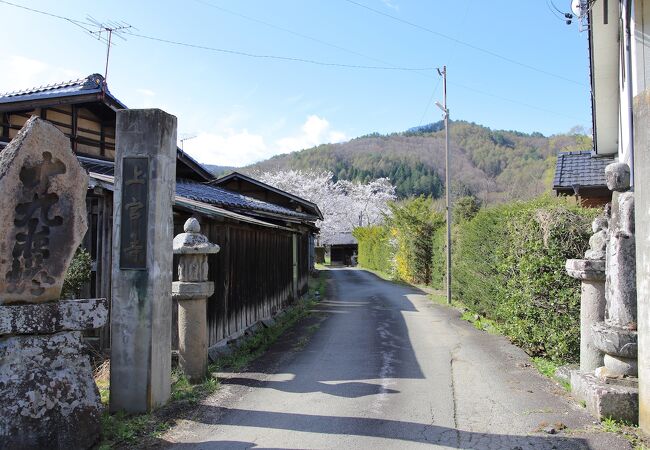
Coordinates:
[105,32]
[186,138]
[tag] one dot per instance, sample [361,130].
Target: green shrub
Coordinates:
[477,246]
[465,208]
[413,222]
[439,257]
[507,261]
[78,274]
[508,265]
[539,305]
[375,248]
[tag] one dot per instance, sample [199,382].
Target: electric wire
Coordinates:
[75,22]
[292,32]
[287,58]
[466,44]
[278,57]
[449,60]
[555,13]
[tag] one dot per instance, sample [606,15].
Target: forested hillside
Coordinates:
[492,165]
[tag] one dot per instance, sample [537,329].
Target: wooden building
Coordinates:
[342,248]
[238,182]
[264,262]
[582,174]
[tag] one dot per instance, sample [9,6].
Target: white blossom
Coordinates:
[344,204]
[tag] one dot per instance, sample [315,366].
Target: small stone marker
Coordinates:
[48,398]
[141,314]
[192,291]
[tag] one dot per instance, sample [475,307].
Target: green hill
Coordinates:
[494,165]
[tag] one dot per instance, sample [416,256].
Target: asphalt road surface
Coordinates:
[379,366]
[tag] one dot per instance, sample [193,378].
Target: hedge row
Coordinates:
[508,265]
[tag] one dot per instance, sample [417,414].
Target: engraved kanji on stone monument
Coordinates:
[43,219]
[133,250]
[48,398]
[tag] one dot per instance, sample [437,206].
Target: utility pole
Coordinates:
[445,110]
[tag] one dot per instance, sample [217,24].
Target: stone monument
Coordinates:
[611,390]
[141,311]
[192,291]
[48,397]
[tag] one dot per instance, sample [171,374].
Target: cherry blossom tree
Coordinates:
[344,204]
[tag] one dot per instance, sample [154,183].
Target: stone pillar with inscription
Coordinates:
[48,397]
[192,291]
[141,311]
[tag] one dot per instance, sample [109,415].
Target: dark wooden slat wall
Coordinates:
[252,274]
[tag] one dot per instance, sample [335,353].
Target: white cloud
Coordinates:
[315,131]
[391,4]
[230,147]
[146,92]
[19,72]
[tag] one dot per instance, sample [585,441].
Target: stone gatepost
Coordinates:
[192,291]
[48,397]
[612,389]
[141,311]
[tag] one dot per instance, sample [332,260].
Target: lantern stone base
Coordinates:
[610,398]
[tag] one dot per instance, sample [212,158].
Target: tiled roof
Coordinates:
[92,84]
[218,196]
[343,238]
[206,193]
[580,168]
[222,181]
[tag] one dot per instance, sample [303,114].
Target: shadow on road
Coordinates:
[352,389]
[377,428]
[359,335]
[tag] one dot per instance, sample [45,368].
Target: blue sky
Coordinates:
[246,109]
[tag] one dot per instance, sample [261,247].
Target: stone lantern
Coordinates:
[192,291]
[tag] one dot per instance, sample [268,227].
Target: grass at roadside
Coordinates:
[257,344]
[628,431]
[123,430]
[548,368]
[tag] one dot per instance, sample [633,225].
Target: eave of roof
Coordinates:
[580,169]
[302,201]
[208,194]
[89,88]
[108,182]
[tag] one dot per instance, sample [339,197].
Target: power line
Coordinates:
[282,58]
[517,102]
[230,51]
[77,23]
[292,32]
[449,59]
[466,44]
[286,58]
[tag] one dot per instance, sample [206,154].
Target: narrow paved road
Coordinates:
[380,366]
